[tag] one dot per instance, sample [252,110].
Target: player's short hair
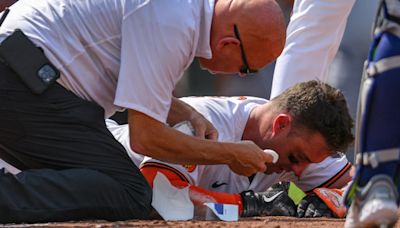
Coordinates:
[317,106]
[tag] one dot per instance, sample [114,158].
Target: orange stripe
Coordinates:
[336,177]
[163,166]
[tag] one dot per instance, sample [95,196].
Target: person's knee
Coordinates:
[130,199]
[144,200]
[140,194]
[72,194]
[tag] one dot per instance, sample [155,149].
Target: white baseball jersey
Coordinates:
[313,37]
[229,116]
[117,53]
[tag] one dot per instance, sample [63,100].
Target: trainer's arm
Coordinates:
[155,139]
[313,36]
[180,111]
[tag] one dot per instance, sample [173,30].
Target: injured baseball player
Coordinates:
[307,126]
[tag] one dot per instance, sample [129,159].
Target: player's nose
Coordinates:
[299,168]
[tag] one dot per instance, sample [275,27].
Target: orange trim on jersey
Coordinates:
[332,180]
[189,168]
[164,166]
[197,195]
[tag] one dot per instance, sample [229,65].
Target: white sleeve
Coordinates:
[313,36]
[324,174]
[121,134]
[155,50]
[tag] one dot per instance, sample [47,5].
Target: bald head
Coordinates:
[262,33]
[262,29]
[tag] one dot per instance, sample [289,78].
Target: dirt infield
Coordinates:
[281,222]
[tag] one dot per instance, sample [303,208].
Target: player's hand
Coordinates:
[311,206]
[202,127]
[274,202]
[248,158]
[324,202]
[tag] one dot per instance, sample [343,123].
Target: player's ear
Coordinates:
[282,124]
[227,41]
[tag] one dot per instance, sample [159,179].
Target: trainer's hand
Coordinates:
[202,127]
[248,159]
[181,111]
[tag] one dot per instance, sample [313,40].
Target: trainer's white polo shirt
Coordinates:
[118,53]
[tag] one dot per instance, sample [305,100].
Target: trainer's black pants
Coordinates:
[73,168]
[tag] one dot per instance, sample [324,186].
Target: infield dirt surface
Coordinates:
[271,221]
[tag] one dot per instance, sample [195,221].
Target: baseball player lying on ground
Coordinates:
[306,126]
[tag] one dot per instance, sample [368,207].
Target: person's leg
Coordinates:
[373,196]
[81,171]
[44,195]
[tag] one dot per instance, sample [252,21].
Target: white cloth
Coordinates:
[117,53]
[313,37]
[229,115]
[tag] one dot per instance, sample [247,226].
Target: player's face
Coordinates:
[297,150]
